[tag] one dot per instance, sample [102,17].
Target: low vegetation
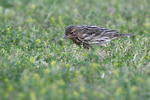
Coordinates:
[37,64]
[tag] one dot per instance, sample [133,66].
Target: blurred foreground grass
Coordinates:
[37,64]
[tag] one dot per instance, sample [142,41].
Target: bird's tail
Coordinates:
[120,35]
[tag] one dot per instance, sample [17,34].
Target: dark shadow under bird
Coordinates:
[88,35]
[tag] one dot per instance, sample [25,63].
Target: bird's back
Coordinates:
[98,35]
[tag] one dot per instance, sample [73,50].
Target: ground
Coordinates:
[37,64]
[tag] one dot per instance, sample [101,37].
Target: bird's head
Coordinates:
[72,31]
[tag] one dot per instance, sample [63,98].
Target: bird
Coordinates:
[89,35]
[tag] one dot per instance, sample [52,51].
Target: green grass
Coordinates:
[37,64]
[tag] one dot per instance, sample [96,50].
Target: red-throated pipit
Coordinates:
[89,35]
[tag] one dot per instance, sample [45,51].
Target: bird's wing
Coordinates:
[95,35]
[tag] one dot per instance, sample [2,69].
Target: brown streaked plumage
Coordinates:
[89,35]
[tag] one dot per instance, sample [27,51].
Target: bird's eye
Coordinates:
[71,33]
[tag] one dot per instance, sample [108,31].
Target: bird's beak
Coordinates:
[65,36]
